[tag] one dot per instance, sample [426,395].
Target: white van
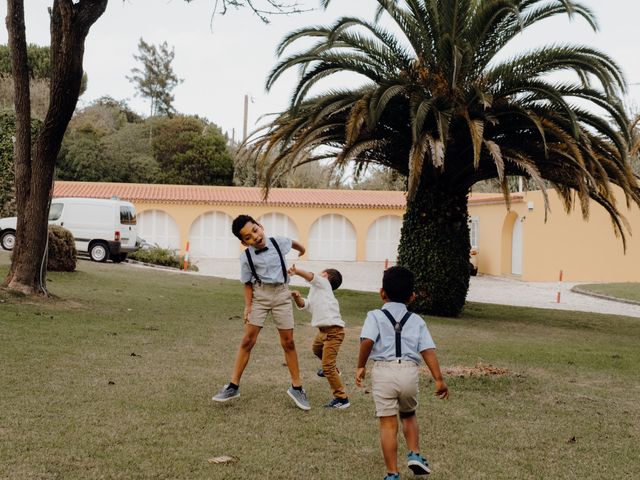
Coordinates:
[105,229]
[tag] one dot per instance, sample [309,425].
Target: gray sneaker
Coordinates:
[299,397]
[226,394]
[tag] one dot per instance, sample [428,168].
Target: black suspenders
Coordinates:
[284,268]
[397,326]
[253,267]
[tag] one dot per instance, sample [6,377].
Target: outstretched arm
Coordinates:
[430,358]
[299,247]
[293,270]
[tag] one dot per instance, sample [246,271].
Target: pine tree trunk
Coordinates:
[70,23]
[434,244]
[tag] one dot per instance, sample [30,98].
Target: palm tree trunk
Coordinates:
[434,244]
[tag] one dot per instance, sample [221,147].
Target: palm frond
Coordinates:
[438,105]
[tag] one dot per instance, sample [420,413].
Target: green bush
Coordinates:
[62,254]
[161,256]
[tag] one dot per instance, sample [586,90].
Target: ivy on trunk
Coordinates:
[434,244]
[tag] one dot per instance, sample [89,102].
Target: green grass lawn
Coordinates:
[113,377]
[624,291]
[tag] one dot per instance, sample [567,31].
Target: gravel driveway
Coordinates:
[367,276]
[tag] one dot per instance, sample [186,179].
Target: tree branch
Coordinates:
[263,9]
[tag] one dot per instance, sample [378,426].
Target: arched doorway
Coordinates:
[210,236]
[159,228]
[332,237]
[383,238]
[511,245]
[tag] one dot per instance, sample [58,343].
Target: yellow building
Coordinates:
[358,225]
[339,225]
[520,243]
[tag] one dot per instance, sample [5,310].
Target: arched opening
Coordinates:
[511,245]
[332,237]
[383,238]
[210,236]
[159,228]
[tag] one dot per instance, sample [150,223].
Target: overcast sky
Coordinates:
[223,61]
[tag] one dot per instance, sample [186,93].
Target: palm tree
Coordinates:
[441,105]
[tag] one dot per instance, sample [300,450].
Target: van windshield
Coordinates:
[55,211]
[127,216]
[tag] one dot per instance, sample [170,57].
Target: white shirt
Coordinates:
[415,337]
[322,303]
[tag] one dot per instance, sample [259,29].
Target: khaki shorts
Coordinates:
[274,298]
[395,387]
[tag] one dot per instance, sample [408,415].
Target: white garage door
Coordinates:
[159,228]
[332,237]
[383,238]
[210,236]
[279,225]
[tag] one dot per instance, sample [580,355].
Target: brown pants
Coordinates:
[325,347]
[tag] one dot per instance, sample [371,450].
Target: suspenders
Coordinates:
[282,264]
[397,326]
[284,267]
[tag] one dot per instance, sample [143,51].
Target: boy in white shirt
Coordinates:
[325,314]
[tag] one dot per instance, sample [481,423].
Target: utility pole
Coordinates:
[246,114]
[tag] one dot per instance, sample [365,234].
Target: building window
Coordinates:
[474,231]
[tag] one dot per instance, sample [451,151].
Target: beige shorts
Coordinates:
[395,387]
[275,299]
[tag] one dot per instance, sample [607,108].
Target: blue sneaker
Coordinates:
[392,476]
[299,397]
[226,394]
[338,403]
[418,464]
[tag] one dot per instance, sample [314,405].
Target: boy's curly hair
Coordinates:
[239,222]
[334,277]
[398,283]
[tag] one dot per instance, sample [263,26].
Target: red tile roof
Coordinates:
[290,197]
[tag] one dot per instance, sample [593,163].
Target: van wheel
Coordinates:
[121,257]
[8,240]
[99,252]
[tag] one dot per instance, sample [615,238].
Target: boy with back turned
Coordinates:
[397,340]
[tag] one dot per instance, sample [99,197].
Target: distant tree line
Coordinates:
[109,142]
